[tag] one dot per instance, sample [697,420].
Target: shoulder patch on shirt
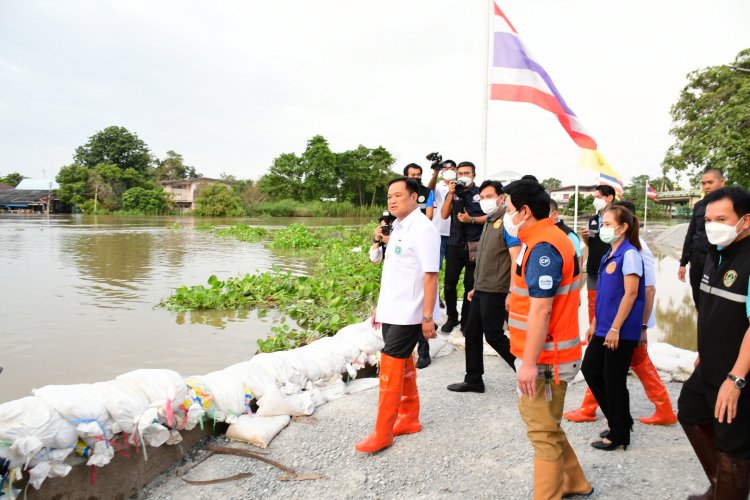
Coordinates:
[545,282]
[497,224]
[476,197]
[544,261]
[420,199]
[729,278]
[611,267]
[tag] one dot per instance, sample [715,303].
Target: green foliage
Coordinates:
[551,183]
[146,201]
[218,200]
[341,289]
[711,122]
[242,232]
[117,146]
[13,179]
[293,208]
[585,205]
[636,192]
[74,188]
[173,168]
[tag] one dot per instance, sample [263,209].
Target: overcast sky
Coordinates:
[231,85]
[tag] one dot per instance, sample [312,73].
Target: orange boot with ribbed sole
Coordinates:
[407,421]
[655,391]
[587,411]
[389,400]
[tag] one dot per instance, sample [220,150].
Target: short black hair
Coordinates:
[552,205]
[412,165]
[627,204]
[448,161]
[529,177]
[529,193]
[606,190]
[715,170]
[468,164]
[740,198]
[412,186]
[495,184]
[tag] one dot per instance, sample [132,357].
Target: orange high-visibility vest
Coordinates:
[563,342]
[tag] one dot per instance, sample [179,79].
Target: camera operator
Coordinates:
[426,197]
[467,219]
[382,235]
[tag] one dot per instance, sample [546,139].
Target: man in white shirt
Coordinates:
[407,308]
[448,173]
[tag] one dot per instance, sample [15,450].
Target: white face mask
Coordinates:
[449,175]
[721,235]
[607,235]
[488,206]
[466,181]
[510,226]
[599,204]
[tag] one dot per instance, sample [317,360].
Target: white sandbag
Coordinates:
[328,363]
[161,387]
[339,347]
[317,396]
[30,424]
[257,430]
[361,384]
[439,347]
[78,404]
[253,376]
[154,434]
[310,368]
[362,336]
[102,455]
[275,403]
[43,470]
[335,390]
[228,393]
[664,362]
[124,403]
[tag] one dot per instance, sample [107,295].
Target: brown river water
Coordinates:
[79,297]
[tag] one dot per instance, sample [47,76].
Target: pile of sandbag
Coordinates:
[40,433]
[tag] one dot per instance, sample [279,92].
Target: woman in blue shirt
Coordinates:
[616,329]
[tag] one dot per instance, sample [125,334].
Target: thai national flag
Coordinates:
[650,191]
[517,77]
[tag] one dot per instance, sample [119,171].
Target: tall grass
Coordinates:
[294,208]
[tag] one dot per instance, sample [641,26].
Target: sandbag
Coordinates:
[257,430]
[124,403]
[275,403]
[78,404]
[362,336]
[253,376]
[163,389]
[228,393]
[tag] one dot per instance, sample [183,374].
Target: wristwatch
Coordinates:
[644,326]
[739,382]
[426,319]
[473,220]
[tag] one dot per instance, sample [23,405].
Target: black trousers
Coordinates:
[606,372]
[457,259]
[486,315]
[696,273]
[400,340]
[696,407]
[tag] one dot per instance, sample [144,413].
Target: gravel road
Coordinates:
[472,446]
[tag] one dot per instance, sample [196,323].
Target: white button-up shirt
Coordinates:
[442,225]
[413,250]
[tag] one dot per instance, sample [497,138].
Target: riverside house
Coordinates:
[184,191]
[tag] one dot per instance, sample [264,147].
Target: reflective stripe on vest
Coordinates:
[561,290]
[734,297]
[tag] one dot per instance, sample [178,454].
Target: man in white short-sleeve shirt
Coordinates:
[407,308]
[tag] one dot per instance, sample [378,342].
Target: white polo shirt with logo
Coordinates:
[442,225]
[413,250]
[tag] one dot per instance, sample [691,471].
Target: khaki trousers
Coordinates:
[542,420]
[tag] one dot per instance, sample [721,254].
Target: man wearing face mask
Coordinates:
[714,404]
[426,198]
[467,217]
[544,336]
[603,197]
[695,248]
[443,225]
[495,256]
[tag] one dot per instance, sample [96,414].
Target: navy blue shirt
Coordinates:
[468,202]
[544,271]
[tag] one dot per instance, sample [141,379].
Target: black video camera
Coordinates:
[460,188]
[435,158]
[388,219]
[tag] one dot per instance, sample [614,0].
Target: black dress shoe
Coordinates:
[601,445]
[449,325]
[423,362]
[466,387]
[604,434]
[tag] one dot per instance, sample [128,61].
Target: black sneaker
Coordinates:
[466,387]
[449,325]
[423,362]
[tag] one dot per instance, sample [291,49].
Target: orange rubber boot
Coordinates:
[591,295]
[587,411]
[655,390]
[391,385]
[407,421]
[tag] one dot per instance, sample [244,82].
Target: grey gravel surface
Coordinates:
[472,446]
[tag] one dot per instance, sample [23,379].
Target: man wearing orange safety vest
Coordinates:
[544,337]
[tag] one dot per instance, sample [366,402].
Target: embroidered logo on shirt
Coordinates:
[545,282]
[611,267]
[420,199]
[544,261]
[476,197]
[497,224]
[729,278]
[398,250]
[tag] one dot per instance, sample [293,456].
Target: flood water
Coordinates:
[79,297]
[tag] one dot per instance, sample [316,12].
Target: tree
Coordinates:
[551,183]
[285,178]
[636,192]
[13,179]
[711,122]
[321,177]
[117,146]
[74,184]
[146,201]
[218,200]
[173,168]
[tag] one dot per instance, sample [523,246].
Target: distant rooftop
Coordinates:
[37,185]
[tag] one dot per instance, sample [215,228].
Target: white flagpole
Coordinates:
[575,205]
[645,206]
[486,88]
